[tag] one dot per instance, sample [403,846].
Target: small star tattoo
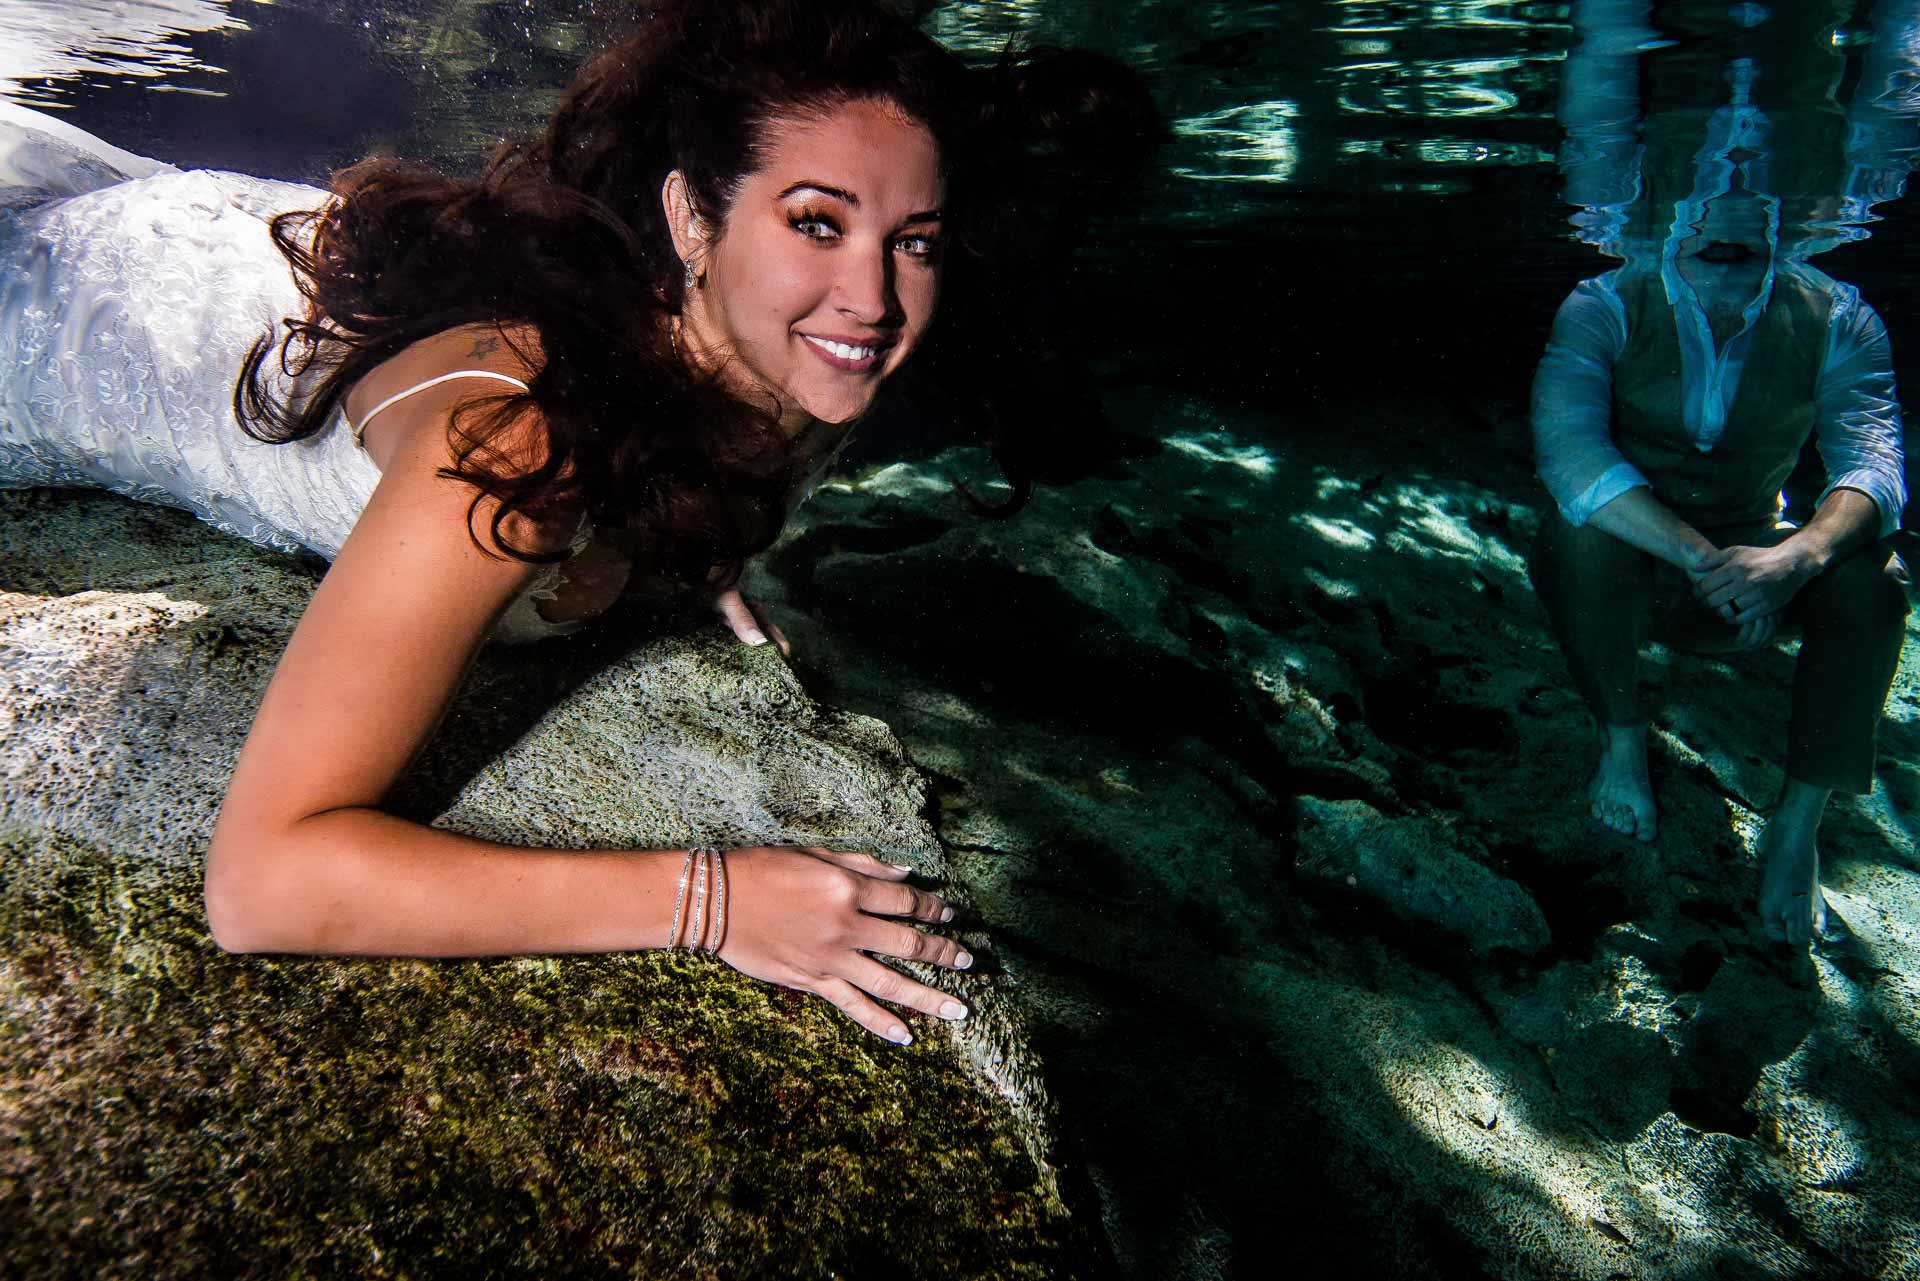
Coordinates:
[485,347]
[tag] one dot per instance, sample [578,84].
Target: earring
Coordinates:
[693,275]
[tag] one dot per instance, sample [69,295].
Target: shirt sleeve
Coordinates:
[1573,444]
[1857,424]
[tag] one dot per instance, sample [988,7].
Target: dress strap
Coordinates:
[360,431]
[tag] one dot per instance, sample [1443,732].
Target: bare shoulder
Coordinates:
[513,351]
[414,432]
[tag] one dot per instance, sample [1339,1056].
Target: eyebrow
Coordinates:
[841,193]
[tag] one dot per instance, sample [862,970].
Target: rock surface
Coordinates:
[1269,780]
[167,1110]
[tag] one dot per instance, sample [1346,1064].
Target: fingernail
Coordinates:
[953,1010]
[901,867]
[753,638]
[898,1034]
[964,961]
[946,914]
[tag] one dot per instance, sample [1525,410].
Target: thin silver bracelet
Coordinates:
[698,927]
[719,902]
[680,901]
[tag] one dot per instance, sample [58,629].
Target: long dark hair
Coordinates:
[566,238]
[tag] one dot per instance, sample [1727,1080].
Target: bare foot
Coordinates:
[1622,791]
[1792,908]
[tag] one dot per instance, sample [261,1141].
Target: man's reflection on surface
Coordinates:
[1674,399]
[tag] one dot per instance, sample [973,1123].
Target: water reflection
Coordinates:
[1442,88]
[1254,143]
[294,88]
[1777,82]
[1397,16]
[1448,86]
[127,41]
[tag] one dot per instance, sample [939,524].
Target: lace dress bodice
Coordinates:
[130,294]
[125,314]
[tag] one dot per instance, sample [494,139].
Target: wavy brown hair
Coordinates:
[566,238]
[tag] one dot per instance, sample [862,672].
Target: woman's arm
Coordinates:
[303,860]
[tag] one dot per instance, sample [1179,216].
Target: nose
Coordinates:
[865,292]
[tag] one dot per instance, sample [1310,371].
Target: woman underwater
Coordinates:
[612,364]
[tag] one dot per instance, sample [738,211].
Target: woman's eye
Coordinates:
[814,227]
[919,246]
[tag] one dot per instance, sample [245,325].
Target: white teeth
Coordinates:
[841,349]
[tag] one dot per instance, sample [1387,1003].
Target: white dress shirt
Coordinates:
[1857,425]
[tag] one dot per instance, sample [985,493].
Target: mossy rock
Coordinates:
[170,1110]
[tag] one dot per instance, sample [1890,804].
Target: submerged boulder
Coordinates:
[168,1110]
[1410,868]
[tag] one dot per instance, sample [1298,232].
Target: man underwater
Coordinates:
[1673,401]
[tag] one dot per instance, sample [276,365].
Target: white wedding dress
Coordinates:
[130,292]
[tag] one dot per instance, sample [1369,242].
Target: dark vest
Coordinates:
[1738,481]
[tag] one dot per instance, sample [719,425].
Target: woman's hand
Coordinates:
[749,621]
[804,917]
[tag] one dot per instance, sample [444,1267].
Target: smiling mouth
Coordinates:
[851,357]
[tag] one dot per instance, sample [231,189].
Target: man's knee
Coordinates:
[1866,589]
[1566,554]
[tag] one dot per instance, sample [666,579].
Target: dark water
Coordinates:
[1359,235]
[1357,189]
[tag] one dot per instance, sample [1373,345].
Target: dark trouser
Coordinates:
[1607,599]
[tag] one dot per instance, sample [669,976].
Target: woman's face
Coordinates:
[823,277]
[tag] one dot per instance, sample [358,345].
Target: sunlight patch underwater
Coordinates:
[1433,525]
[1343,533]
[1220,448]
